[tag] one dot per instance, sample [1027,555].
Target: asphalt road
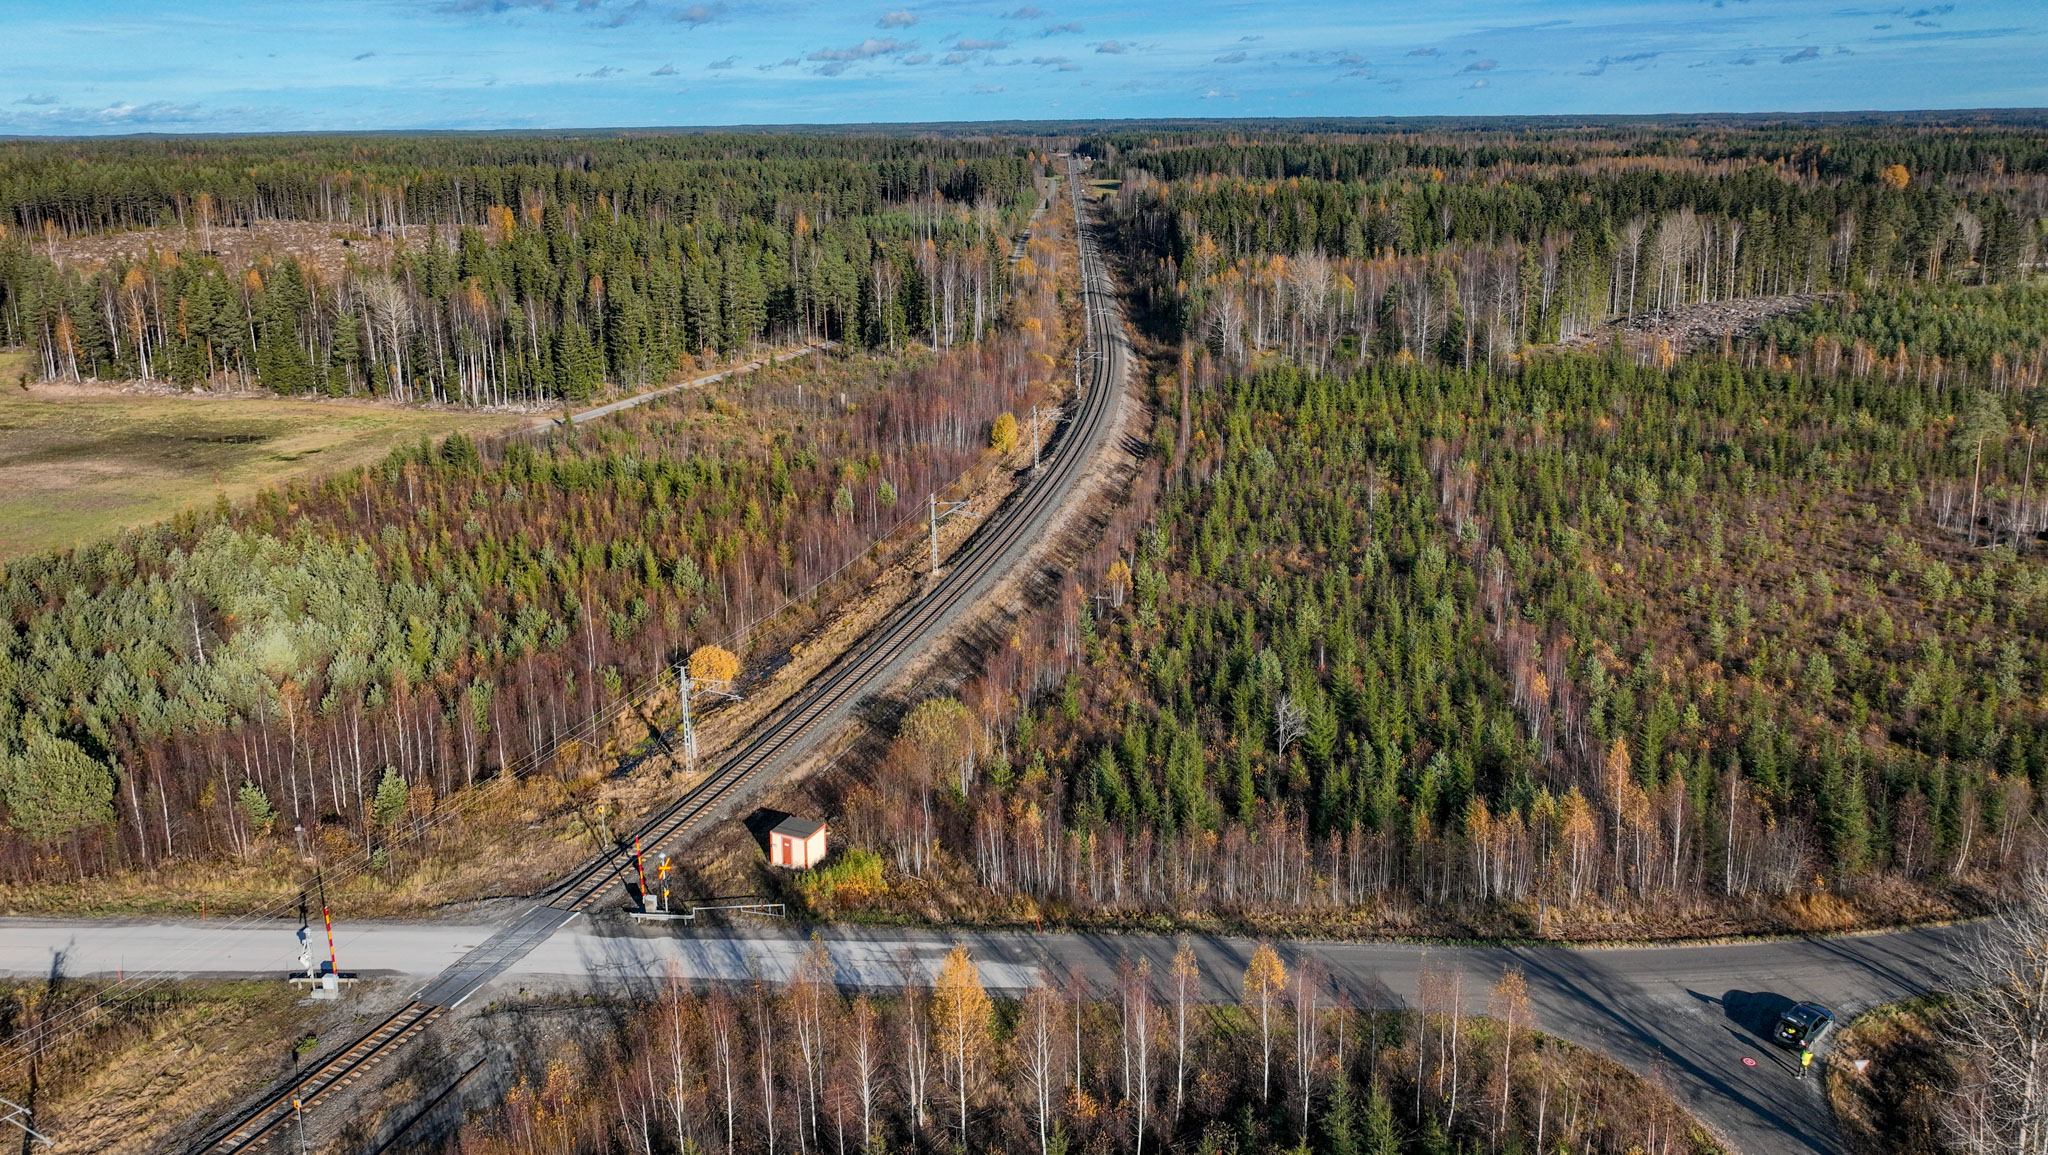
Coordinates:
[1685,1016]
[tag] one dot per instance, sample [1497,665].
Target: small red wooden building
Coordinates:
[797,843]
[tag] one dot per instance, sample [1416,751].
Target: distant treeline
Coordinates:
[1467,249]
[549,267]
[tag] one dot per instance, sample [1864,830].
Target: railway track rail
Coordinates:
[972,574]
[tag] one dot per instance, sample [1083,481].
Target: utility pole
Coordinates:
[299,1109]
[688,686]
[1038,411]
[952,509]
[683,680]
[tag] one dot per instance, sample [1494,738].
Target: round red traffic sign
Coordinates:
[1748,1062]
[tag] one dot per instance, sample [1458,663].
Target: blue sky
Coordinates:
[115,66]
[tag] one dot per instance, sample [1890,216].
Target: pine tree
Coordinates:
[53,787]
[1376,1136]
[391,800]
[1338,1124]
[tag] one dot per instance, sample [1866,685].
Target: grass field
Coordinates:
[76,467]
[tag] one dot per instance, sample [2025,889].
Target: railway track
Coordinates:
[972,574]
[278,1113]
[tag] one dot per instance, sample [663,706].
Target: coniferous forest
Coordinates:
[499,271]
[1461,584]
[1421,619]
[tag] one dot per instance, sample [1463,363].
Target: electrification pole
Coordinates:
[951,509]
[23,1117]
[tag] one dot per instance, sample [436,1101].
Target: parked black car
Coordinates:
[1801,1028]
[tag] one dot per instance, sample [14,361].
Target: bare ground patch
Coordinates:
[327,247]
[1707,325]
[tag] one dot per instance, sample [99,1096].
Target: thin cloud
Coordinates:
[604,73]
[918,58]
[1027,12]
[1067,29]
[867,49]
[664,70]
[1481,66]
[1113,47]
[620,17]
[1955,34]
[698,14]
[362,56]
[722,65]
[1601,65]
[1480,83]
[1807,53]
[956,58]
[901,18]
[986,89]
[156,113]
[37,99]
[493,6]
[1232,58]
[1424,52]
[970,44]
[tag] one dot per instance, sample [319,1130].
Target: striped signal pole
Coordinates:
[327,917]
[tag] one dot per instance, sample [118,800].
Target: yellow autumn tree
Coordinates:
[1626,801]
[714,664]
[1002,436]
[939,737]
[1895,176]
[961,1011]
[1264,978]
[1119,579]
[1578,835]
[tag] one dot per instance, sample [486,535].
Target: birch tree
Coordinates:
[1264,978]
[960,1014]
[718,1013]
[1038,1052]
[866,1067]
[1187,983]
[1137,1031]
[1510,1005]
[2000,1025]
